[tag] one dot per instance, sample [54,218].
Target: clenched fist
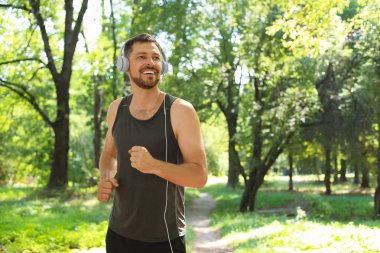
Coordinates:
[141,159]
[105,188]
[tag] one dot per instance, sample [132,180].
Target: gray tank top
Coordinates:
[139,203]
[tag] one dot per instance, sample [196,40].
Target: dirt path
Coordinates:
[207,239]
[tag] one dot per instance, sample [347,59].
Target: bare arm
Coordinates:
[191,173]
[107,163]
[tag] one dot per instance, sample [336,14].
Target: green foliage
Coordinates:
[216,143]
[310,28]
[26,143]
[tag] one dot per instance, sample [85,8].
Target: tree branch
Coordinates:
[222,107]
[276,150]
[35,73]
[71,35]
[30,38]
[85,42]
[36,12]
[22,91]
[115,49]
[24,59]
[79,21]
[20,7]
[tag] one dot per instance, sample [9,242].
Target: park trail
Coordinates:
[207,239]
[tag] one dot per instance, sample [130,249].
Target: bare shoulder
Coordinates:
[184,117]
[182,106]
[112,110]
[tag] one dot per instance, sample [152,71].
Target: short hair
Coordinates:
[144,37]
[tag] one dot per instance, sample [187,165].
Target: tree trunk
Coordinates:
[356,173]
[343,170]
[59,171]
[336,172]
[290,172]
[115,50]
[377,197]
[233,175]
[327,170]
[377,191]
[252,197]
[98,102]
[233,160]
[247,202]
[365,177]
[245,198]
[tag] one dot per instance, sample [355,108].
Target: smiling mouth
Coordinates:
[149,72]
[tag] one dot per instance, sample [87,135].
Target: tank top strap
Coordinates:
[128,99]
[123,103]
[169,100]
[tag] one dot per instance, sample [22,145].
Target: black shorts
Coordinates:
[118,244]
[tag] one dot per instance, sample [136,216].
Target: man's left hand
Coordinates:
[141,159]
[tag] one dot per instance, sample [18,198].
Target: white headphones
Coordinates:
[122,62]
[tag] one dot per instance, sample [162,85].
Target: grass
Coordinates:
[31,221]
[312,183]
[190,234]
[338,223]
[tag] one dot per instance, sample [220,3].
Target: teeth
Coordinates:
[148,72]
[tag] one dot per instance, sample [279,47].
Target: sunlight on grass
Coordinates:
[14,193]
[296,236]
[72,221]
[340,223]
[51,224]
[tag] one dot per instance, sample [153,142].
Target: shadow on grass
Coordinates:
[343,208]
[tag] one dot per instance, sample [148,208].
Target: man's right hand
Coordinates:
[105,188]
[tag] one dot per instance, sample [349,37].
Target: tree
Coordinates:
[306,40]
[227,19]
[281,99]
[39,15]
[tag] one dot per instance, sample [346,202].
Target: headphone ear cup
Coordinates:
[122,63]
[165,68]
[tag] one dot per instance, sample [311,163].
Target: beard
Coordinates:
[148,83]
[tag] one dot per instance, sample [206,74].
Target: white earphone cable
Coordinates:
[167,182]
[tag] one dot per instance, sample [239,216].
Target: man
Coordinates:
[153,149]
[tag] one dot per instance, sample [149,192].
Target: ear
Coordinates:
[122,62]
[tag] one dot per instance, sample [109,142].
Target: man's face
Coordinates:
[145,64]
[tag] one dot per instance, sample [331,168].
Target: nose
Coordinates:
[151,61]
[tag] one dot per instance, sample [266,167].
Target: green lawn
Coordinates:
[33,222]
[338,223]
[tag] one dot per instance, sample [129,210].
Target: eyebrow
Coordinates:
[145,53]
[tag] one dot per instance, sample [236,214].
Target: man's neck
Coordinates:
[146,99]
